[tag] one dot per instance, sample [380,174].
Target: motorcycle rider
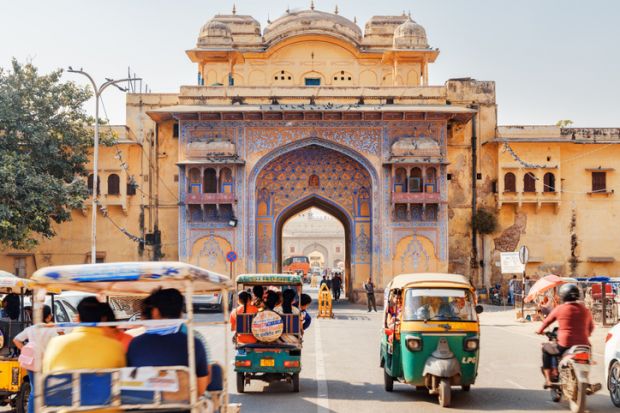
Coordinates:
[575,326]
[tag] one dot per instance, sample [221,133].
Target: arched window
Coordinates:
[529,182]
[510,182]
[114,184]
[549,182]
[400,180]
[209,183]
[415,181]
[90,184]
[364,203]
[431,180]
[226,183]
[194,186]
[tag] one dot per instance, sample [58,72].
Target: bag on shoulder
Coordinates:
[27,357]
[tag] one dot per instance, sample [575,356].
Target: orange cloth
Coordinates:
[249,309]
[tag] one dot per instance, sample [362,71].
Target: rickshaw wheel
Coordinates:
[240,382]
[444,393]
[466,387]
[388,381]
[296,383]
[21,401]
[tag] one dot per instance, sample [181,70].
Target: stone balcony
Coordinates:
[537,198]
[202,198]
[416,197]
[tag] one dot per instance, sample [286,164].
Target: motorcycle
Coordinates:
[570,376]
[495,295]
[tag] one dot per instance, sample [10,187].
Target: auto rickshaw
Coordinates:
[268,357]
[132,388]
[14,383]
[431,335]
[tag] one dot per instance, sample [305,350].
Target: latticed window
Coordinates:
[599,182]
[510,182]
[529,182]
[209,183]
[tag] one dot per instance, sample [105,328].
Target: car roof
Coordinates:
[404,280]
[269,278]
[131,278]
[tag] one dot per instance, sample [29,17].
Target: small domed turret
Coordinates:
[410,35]
[215,34]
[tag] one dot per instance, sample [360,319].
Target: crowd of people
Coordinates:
[48,350]
[282,302]
[333,280]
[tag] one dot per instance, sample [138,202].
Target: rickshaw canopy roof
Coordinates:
[8,280]
[273,279]
[130,278]
[404,280]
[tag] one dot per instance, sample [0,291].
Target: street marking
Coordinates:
[515,384]
[322,398]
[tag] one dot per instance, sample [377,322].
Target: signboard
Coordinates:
[524,255]
[267,326]
[149,379]
[511,263]
[231,256]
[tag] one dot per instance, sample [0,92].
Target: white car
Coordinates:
[612,364]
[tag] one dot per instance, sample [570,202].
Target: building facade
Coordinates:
[313,111]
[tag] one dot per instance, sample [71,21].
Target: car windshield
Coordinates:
[439,304]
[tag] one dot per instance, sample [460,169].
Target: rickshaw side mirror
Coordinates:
[479,309]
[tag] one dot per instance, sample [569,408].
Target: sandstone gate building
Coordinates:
[313,111]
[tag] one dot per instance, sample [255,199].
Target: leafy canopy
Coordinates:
[44,146]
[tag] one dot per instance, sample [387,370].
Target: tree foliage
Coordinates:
[44,146]
[484,222]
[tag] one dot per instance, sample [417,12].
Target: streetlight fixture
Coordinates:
[98,91]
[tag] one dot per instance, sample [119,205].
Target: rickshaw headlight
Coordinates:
[471,344]
[414,343]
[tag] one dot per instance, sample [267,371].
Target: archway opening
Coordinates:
[317,233]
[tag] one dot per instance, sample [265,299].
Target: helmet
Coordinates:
[568,293]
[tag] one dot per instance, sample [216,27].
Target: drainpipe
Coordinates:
[474,196]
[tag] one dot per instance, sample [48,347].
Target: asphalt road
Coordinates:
[341,371]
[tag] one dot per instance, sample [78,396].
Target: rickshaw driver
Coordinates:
[155,350]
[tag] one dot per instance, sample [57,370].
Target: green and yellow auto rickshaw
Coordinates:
[268,341]
[431,335]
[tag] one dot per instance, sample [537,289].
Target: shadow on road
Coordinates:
[478,399]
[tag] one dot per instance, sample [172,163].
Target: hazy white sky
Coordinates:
[551,59]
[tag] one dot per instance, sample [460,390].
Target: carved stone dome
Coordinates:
[312,22]
[215,34]
[410,35]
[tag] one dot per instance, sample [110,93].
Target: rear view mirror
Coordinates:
[479,309]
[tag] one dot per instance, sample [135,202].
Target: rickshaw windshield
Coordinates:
[439,304]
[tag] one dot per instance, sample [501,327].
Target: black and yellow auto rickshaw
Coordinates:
[14,383]
[431,336]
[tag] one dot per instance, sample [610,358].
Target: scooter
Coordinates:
[570,376]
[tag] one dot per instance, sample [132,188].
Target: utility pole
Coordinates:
[97,91]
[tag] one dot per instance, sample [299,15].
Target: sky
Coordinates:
[550,59]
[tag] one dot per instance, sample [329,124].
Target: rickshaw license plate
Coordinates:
[267,362]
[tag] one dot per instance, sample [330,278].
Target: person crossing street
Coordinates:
[369,287]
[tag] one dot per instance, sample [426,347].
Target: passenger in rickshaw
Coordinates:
[393,313]
[10,306]
[304,302]
[32,342]
[245,307]
[159,349]
[288,296]
[271,300]
[428,308]
[113,332]
[84,347]
[258,292]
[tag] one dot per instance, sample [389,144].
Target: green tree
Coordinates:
[44,145]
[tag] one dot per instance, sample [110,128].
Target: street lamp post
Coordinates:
[98,91]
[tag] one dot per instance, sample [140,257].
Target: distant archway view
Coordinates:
[314,241]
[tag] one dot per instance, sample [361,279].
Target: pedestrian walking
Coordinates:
[512,284]
[336,286]
[369,287]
